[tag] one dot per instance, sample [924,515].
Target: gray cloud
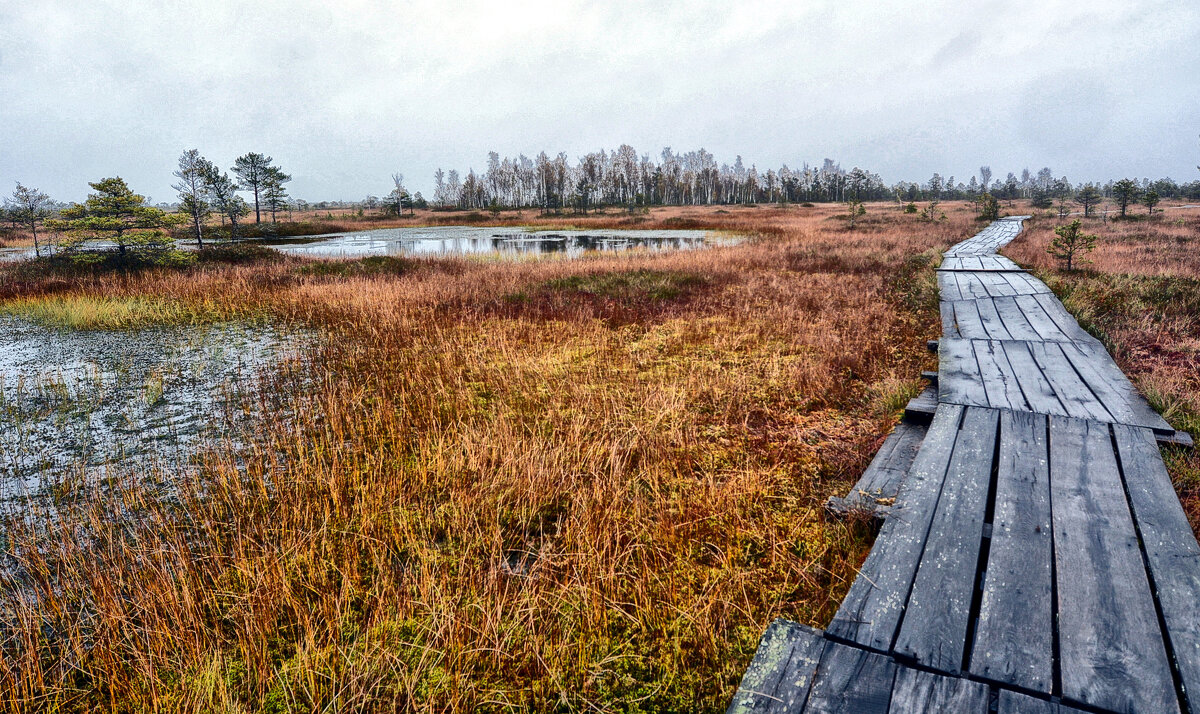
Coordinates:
[342,94]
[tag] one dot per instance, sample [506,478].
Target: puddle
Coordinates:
[77,403]
[468,240]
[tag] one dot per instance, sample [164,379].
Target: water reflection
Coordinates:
[463,240]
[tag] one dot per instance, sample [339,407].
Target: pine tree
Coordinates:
[1069,241]
[117,215]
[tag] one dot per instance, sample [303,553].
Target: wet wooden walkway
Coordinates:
[1033,555]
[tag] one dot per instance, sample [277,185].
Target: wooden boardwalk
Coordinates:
[1033,555]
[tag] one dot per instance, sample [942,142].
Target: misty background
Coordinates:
[343,94]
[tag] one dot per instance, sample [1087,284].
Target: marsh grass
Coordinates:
[592,499]
[91,312]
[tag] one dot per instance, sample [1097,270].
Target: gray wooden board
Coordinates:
[1039,318]
[1111,387]
[1061,317]
[1013,638]
[918,691]
[967,319]
[959,381]
[850,680]
[939,609]
[1171,550]
[1072,392]
[1108,369]
[871,610]
[948,286]
[1016,703]
[920,408]
[997,284]
[950,326]
[1016,324]
[887,471]
[999,379]
[1039,393]
[1024,284]
[970,286]
[981,262]
[780,674]
[993,325]
[1111,652]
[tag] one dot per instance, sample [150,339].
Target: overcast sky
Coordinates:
[344,92]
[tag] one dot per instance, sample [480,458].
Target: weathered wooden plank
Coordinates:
[1015,703]
[993,325]
[917,691]
[948,286]
[970,286]
[779,676]
[1065,321]
[950,326]
[876,489]
[920,409]
[871,611]
[1013,638]
[1015,322]
[1108,370]
[959,380]
[1111,387]
[999,380]
[1110,647]
[1039,393]
[1025,284]
[1075,396]
[1172,553]
[1046,327]
[997,284]
[850,680]
[966,317]
[939,609]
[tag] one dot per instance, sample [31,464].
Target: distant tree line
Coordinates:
[624,177]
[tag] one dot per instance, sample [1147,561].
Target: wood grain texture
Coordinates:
[1172,554]
[1013,640]
[1110,646]
[918,691]
[939,608]
[870,613]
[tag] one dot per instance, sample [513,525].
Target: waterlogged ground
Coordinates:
[76,404]
[463,240]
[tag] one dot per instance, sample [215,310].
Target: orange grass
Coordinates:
[494,485]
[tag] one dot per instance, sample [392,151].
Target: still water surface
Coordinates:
[467,240]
